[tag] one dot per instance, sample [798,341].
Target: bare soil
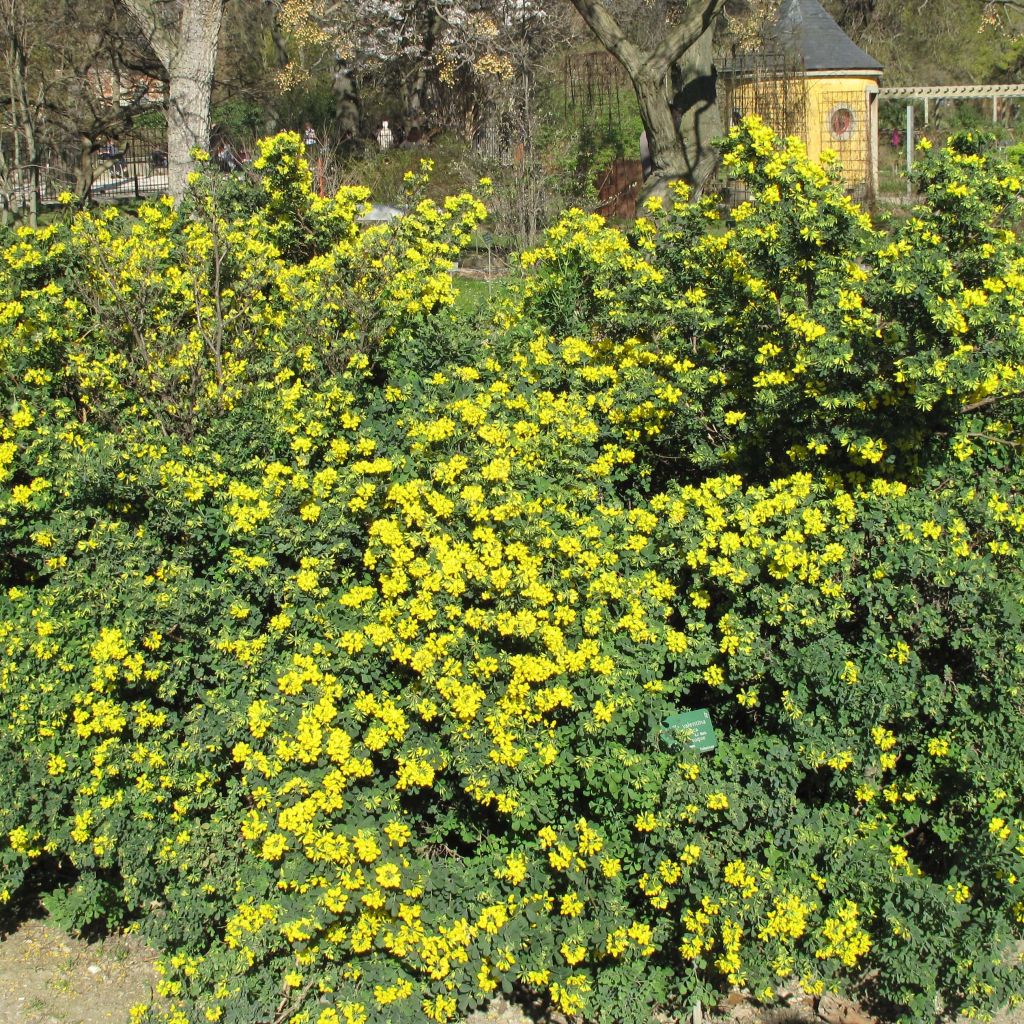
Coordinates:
[48,978]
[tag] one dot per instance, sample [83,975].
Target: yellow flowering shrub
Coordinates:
[341,634]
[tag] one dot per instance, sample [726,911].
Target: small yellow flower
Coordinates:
[273,847]
[571,906]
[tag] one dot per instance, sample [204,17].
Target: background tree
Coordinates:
[184,35]
[247,101]
[17,22]
[427,65]
[673,77]
[67,83]
[937,41]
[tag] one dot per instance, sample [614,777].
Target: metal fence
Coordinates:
[130,168]
[27,189]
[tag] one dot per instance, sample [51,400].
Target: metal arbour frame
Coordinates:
[845,130]
[770,84]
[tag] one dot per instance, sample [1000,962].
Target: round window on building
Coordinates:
[842,123]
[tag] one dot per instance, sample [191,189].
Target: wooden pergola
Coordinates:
[927,93]
[953,92]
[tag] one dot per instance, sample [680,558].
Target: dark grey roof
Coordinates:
[812,33]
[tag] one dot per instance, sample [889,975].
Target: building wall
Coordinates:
[839,117]
[826,111]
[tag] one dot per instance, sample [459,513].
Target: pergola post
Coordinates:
[873,143]
[910,145]
[927,93]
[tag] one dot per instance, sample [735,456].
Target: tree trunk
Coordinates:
[12,93]
[679,123]
[23,118]
[667,158]
[698,120]
[191,82]
[346,101]
[30,187]
[84,170]
[417,87]
[184,38]
[5,190]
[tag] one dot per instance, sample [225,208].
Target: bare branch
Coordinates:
[678,41]
[610,34]
[990,400]
[158,20]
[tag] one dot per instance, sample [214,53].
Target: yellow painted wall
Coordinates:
[804,106]
[824,95]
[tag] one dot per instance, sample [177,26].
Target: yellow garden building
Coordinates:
[811,80]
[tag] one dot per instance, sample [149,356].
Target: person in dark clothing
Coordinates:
[111,152]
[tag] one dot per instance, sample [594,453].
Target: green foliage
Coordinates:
[154,119]
[239,119]
[579,152]
[340,628]
[384,171]
[967,43]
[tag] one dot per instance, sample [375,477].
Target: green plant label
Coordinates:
[692,729]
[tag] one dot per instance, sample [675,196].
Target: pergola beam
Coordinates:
[953,92]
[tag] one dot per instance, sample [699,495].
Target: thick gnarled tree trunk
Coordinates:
[697,112]
[680,119]
[184,35]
